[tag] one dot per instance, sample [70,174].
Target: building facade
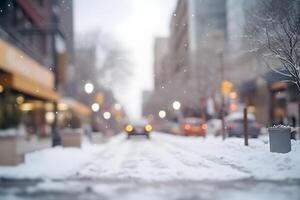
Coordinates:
[197,37]
[36,45]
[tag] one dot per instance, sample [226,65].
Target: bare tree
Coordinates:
[281,32]
[114,68]
[107,60]
[283,40]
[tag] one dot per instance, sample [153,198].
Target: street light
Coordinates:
[176,105]
[162,114]
[88,88]
[95,107]
[106,115]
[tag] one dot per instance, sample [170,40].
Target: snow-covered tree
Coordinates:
[281,29]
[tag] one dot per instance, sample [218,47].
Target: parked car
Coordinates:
[194,126]
[138,127]
[235,125]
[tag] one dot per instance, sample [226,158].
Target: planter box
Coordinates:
[280,139]
[71,138]
[9,153]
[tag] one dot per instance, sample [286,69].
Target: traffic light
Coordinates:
[226,87]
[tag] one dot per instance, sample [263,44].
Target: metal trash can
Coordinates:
[280,139]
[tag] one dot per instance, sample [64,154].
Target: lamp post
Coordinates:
[222,95]
[56,139]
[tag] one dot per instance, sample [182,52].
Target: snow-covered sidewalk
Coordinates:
[52,163]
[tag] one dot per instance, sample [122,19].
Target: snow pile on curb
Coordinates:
[54,163]
[260,162]
[255,160]
[9,132]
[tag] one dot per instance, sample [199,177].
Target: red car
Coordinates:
[194,126]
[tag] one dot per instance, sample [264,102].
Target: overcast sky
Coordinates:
[134,23]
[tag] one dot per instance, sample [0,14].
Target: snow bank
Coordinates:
[9,132]
[52,163]
[254,160]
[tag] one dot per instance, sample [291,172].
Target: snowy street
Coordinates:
[149,100]
[164,167]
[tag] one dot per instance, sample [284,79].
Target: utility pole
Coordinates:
[56,139]
[222,95]
[246,126]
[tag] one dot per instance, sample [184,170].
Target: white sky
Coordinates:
[134,23]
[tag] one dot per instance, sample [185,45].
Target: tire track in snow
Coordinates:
[109,159]
[160,158]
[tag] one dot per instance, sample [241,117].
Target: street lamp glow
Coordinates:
[117,106]
[106,115]
[176,105]
[95,107]
[88,88]
[162,114]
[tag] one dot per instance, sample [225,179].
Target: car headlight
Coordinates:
[148,128]
[129,128]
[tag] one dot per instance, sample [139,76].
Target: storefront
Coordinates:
[274,99]
[25,88]
[73,114]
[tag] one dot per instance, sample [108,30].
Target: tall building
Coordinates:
[36,45]
[197,38]
[208,37]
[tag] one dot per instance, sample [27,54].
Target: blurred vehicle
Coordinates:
[138,127]
[194,126]
[235,125]
[214,126]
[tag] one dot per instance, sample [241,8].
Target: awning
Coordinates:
[29,87]
[275,81]
[77,106]
[273,76]
[24,74]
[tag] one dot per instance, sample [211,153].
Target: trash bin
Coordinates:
[280,139]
